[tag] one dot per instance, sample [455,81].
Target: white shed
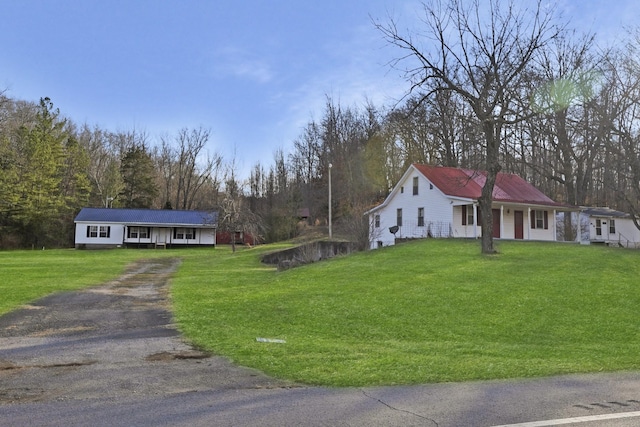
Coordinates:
[610,227]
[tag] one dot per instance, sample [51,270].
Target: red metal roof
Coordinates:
[468,183]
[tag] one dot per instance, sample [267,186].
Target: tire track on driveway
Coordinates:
[113,340]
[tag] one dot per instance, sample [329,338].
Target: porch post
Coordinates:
[528,223]
[502,221]
[475,221]
[555,235]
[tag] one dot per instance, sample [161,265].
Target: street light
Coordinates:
[330,165]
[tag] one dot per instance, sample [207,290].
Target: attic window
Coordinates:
[430,186]
[401,190]
[415,185]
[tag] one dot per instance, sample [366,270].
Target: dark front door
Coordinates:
[495,213]
[518,218]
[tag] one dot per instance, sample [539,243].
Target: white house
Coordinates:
[109,228]
[608,226]
[432,201]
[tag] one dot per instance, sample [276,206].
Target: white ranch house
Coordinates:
[110,228]
[432,201]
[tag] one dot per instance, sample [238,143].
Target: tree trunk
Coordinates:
[493,167]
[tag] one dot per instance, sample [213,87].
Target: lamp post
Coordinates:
[330,165]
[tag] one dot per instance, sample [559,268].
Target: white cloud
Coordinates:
[241,64]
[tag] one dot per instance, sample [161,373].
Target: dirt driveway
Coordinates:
[109,341]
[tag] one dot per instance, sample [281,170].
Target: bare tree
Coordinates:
[481,52]
[236,216]
[621,112]
[569,83]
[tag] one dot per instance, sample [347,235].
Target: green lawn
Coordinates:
[427,311]
[28,275]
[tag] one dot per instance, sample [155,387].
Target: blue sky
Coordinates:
[253,72]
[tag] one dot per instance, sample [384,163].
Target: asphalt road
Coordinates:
[111,356]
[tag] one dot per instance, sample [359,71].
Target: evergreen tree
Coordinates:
[36,197]
[138,175]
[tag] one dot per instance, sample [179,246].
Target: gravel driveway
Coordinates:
[109,341]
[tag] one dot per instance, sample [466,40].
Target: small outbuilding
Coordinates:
[113,228]
[610,227]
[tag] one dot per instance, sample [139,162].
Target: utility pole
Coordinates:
[330,165]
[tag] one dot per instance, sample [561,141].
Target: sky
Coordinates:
[252,72]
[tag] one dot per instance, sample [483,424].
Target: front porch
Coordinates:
[510,221]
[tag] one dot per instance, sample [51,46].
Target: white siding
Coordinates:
[116,235]
[438,213]
[626,233]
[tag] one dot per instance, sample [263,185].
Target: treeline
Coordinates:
[50,168]
[580,144]
[578,141]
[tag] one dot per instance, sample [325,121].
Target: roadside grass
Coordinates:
[426,311]
[28,275]
[420,312]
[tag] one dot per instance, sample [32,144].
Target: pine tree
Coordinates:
[138,175]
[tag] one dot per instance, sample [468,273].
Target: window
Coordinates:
[184,233]
[420,217]
[539,219]
[401,190]
[105,231]
[598,227]
[377,221]
[399,218]
[415,185]
[138,233]
[467,215]
[430,186]
[612,226]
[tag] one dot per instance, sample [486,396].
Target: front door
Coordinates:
[495,213]
[518,218]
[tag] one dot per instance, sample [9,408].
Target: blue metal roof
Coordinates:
[149,217]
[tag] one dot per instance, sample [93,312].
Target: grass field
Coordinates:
[427,311]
